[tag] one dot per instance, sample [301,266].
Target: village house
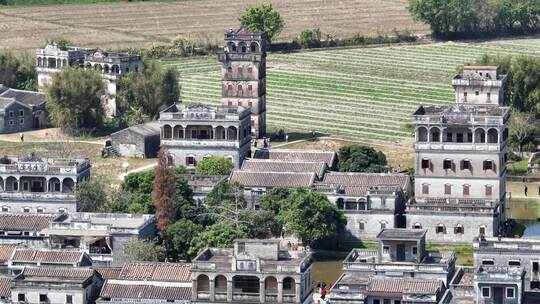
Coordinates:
[243,72]
[40,185]
[101,235]
[148,282]
[21,110]
[189,133]
[56,285]
[461,155]
[137,141]
[111,66]
[25,228]
[254,271]
[24,257]
[400,270]
[328,157]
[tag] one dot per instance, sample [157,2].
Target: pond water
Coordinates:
[327,271]
[532,228]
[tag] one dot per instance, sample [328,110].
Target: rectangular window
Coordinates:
[11,114]
[447,164]
[469,137]
[387,301]
[449,137]
[535,266]
[459,137]
[435,137]
[5,209]
[21,113]
[250,104]
[510,292]
[229,103]
[21,297]
[465,164]
[447,189]
[26,209]
[361,226]
[488,262]
[488,96]
[425,163]
[476,93]
[39,210]
[21,121]
[439,229]
[466,190]
[489,190]
[486,292]
[43,298]
[425,189]
[458,230]
[250,87]
[464,94]
[514,263]
[386,249]
[25,186]
[376,301]
[488,165]
[69,299]
[250,70]
[11,122]
[415,250]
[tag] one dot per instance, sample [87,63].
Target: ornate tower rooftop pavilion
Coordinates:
[254,271]
[479,85]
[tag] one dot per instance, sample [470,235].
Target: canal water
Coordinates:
[532,228]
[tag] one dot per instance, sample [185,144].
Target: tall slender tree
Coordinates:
[163,192]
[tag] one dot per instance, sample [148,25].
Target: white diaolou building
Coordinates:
[461,160]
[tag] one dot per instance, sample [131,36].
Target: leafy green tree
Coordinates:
[177,239]
[144,95]
[186,206]
[273,200]
[139,184]
[92,195]
[214,165]
[74,99]
[144,251]
[311,217]
[218,235]
[261,224]
[225,203]
[18,70]
[356,158]
[262,17]
[310,38]
[522,127]
[526,83]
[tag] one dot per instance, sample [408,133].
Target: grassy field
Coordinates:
[363,93]
[138,24]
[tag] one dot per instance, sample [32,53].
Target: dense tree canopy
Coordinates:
[178,237]
[311,217]
[355,158]
[144,251]
[217,235]
[214,165]
[74,99]
[262,17]
[142,95]
[18,71]
[163,192]
[476,17]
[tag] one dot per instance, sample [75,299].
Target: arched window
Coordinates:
[289,286]
[220,283]
[254,47]
[39,62]
[167,132]
[361,225]
[203,283]
[440,229]
[384,224]
[417,226]
[482,230]
[340,203]
[466,190]
[459,229]
[422,134]
[493,136]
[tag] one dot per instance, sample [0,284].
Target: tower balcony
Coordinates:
[453,146]
[223,57]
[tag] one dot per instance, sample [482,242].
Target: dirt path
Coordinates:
[121,176]
[48,136]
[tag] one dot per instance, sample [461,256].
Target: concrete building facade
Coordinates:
[255,271]
[40,185]
[461,161]
[111,66]
[189,133]
[243,72]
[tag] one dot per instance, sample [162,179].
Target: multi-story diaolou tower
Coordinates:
[243,67]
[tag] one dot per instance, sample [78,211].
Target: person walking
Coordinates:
[525,190]
[22,137]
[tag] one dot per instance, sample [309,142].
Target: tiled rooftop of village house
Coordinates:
[273,179]
[272,165]
[27,222]
[450,113]
[60,273]
[401,234]
[108,272]
[26,97]
[5,287]
[140,291]
[171,272]
[47,256]
[297,155]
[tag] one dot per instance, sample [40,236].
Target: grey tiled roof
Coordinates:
[273,179]
[57,273]
[401,285]
[140,291]
[5,287]
[400,233]
[108,272]
[6,251]
[271,165]
[177,272]
[368,179]
[147,129]
[297,155]
[47,256]
[30,98]
[25,222]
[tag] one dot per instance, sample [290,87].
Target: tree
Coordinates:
[356,158]
[311,217]
[177,239]
[139,184]
[92,195]
[143,95]
[261,224]
[522,126]
[274,200]
[74,99]
[262,17]
[218,235]
[225,202]
[214,165]
[144,251]
[18,71]
[185,205]
[163,192]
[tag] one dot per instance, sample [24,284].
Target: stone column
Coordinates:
[229,290]
[298,292]
[212,289]
[194,290]
[262,291]
[280,291]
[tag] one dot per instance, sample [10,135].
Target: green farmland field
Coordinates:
[365,93]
